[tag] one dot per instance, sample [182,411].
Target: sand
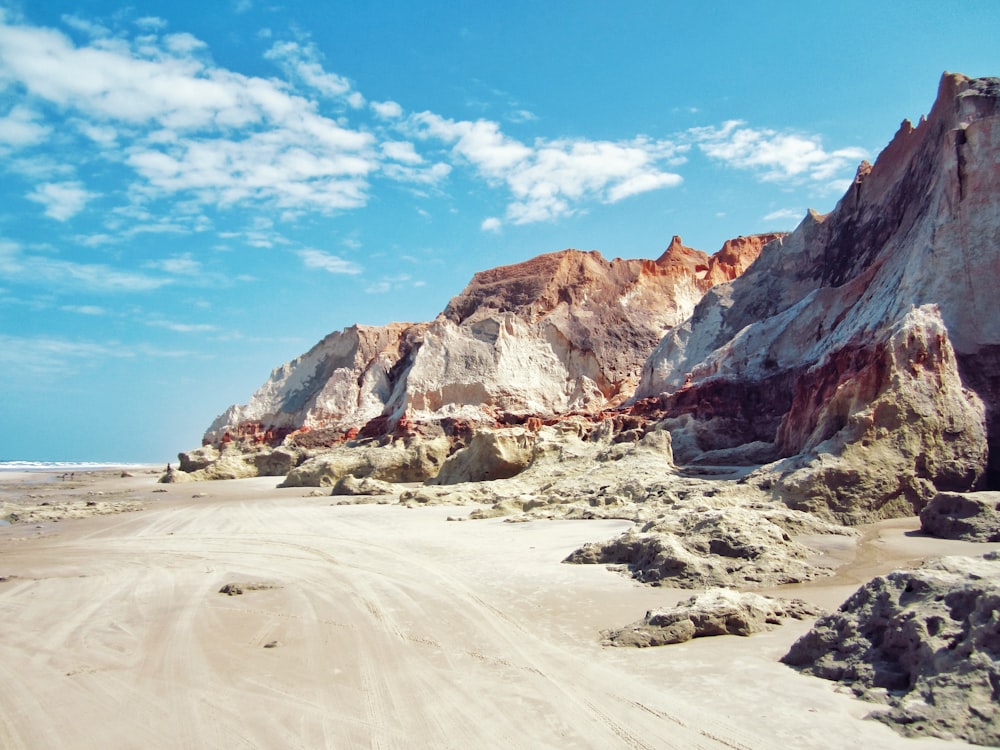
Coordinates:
[379,626]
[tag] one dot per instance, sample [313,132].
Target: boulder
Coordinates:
[411,460]
[701,547]
[352,486]
[490,454]
[973,516]
[924,642]
[714,612]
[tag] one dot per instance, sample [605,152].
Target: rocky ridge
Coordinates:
[865,345]
[563,332]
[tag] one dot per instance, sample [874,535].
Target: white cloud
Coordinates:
[401,151]
[642,183]
[551,177]
[492,224]
[327,262]
[522,115]
[20,127]
[184,327]
[390,283]
[194,127]
[775,156]
[151,23]
[62,200]
[303,62]
[387,110]
[84,309]
[48,356]
[179,265]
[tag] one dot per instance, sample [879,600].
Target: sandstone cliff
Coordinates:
[859,345]
[566,331]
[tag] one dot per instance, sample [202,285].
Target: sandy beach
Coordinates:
[375,626]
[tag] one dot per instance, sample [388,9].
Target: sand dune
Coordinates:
[380,627]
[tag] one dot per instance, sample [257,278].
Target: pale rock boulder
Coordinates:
[490,455]
[972,516]
[350,486]
[210,463]
[925,643]
[410,460]
[699,547]
[716,611]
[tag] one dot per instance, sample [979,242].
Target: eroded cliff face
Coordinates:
[856,358]
[815,333]
[563,332]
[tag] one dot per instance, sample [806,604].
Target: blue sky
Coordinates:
[194,193]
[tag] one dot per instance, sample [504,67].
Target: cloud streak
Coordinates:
[15,266]
[318,260]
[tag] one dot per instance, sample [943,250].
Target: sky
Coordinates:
[192,194]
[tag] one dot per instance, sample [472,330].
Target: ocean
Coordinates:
[66,465]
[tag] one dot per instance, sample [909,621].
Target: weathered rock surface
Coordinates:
[974,516]
[879,428]
[409,460]
[561,332]
[701,547]
[351,486]
[925,642]
[490,455]
[713,612]
[839,334]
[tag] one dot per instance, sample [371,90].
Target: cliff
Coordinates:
[885,301]
[566,331]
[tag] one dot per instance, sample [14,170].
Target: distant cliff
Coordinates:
[566,331]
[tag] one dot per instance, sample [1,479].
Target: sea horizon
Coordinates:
[23,465]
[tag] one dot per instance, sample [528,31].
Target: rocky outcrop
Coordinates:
[974,517]
[563,332]
[878,428]
[839,334]
[700,547]
[350,486]
[490,455]
[714,612]
[925,642]
[411,460]
[340,384]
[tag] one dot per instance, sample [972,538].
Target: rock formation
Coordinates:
[974,516]
[701,547]
[925,642]
[567,331]
[855,345]
[713,612]
[857,358]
